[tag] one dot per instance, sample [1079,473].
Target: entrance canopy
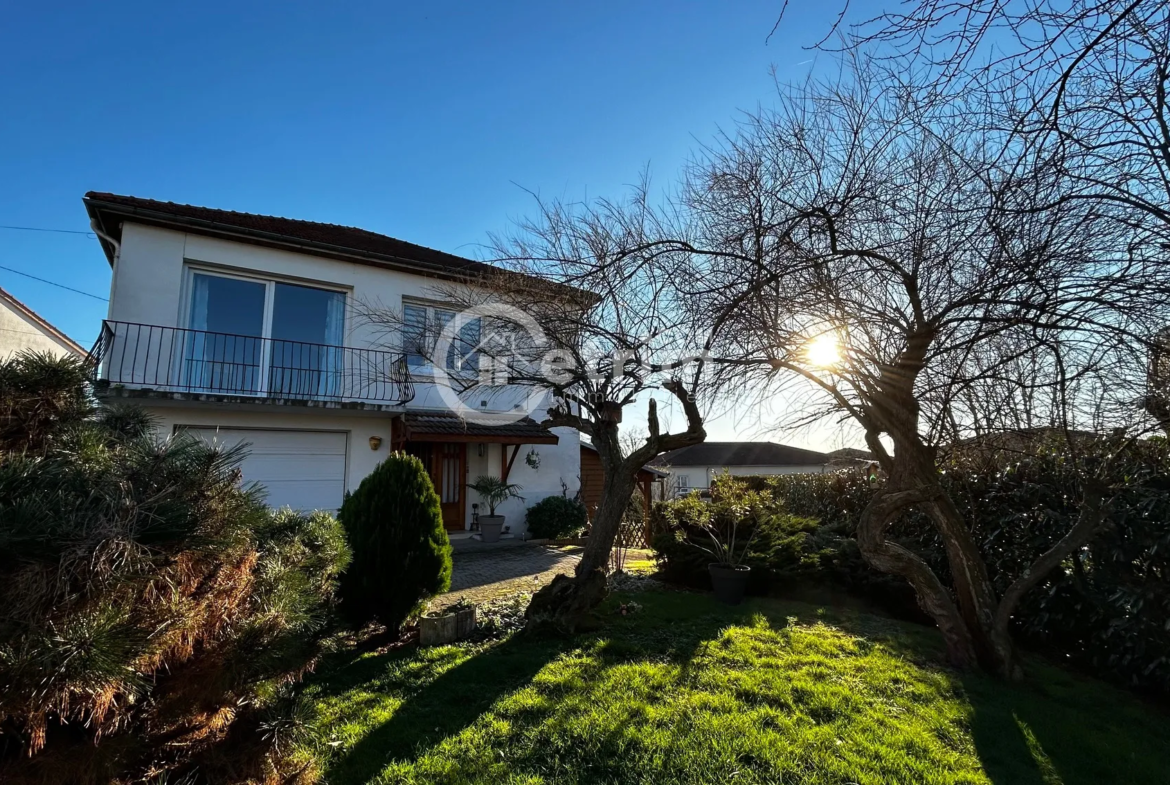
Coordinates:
[447,427]
[440,440]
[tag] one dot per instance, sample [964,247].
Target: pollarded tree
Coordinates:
[585,316]
[922,271]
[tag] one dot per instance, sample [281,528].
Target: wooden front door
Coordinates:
[446,462]
[450,477]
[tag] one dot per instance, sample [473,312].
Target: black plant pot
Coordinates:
[729,581]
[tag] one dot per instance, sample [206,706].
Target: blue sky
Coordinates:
[423,121]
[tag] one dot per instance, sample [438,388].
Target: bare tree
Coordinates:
[1157,401]
[926,273]
[1094,74]
[585,312]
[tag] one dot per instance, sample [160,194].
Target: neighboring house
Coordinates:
[851,458]
[650,480]
[693,468]
[21,329]
[237,327]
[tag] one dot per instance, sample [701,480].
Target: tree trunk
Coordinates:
[968,627]
[885,507]
[973,588]
[1091,519]
[607,520]
[565,603]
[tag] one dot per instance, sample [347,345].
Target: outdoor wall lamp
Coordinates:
[375,442]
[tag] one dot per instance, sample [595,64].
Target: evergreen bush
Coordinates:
[781,551]
[556,517]
[401,552]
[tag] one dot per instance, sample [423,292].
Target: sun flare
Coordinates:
[823,351]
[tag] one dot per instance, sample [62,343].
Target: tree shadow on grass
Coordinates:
[446,705]
[1058,728]
[442,707]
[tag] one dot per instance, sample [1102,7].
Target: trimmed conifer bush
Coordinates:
[401,552]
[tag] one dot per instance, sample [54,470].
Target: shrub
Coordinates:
[1106,609]
[401,552]
[556,517]
[781,550]
[150,603]
[493,491]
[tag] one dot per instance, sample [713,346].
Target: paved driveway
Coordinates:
[481,575]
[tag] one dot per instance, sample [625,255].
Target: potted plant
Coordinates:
[729,575]
[453,623]
[494,492]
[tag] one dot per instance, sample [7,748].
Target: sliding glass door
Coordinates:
[254,337]
[307,329]
[224,351]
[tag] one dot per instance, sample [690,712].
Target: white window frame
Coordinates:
[427,367]
[270,281]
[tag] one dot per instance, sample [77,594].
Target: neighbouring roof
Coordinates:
[445,426]
[42,323]
[331,240]
[741,454]
[852,453]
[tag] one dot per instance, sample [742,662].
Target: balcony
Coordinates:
[180,362]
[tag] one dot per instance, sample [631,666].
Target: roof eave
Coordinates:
[96,207]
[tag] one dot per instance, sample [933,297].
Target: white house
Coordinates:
[241,328]
[21,329]
[693,468]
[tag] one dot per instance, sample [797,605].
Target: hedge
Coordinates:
[1106,610]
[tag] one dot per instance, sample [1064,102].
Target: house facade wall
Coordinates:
[150,288]
[701,476]
[536,484]
[360,459]
[19,333]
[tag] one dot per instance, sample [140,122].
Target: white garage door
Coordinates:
[304,470]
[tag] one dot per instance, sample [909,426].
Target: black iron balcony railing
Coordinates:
[174,359]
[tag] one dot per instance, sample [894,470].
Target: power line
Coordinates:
[53,283]
[39,229]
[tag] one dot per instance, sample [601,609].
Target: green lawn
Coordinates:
[689,691]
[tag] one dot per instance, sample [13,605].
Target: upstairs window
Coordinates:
[423,324]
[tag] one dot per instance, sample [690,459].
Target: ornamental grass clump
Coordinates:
[154,612]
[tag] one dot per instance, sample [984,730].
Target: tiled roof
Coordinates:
[741,454]
[422,426]
[109,209]
[43,323]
